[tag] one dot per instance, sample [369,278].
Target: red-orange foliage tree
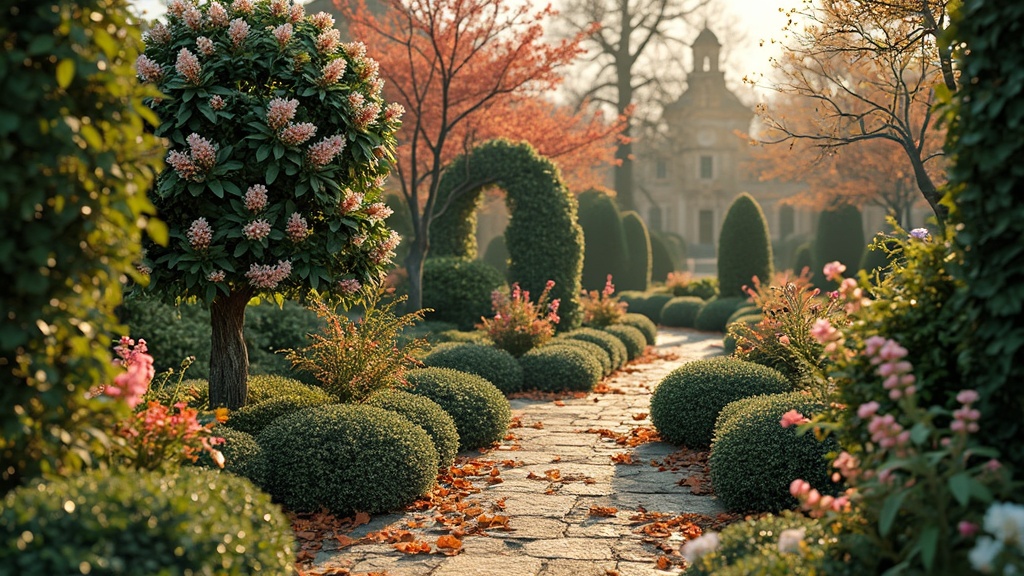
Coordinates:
[467,71]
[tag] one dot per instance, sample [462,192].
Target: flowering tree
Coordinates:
[280,144]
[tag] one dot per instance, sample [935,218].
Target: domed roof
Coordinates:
[706,37]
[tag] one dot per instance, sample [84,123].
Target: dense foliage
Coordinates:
[426,414]
[664,260]
[459,290]
[495,365]
[744,247]
[681,311]
[612,345]
[591,349]
[560,368]
[637,275]
[839,237]
[604,240]
[643,324]
[632,338]
[712,317]
[242,455]
[480,411]
[254,418]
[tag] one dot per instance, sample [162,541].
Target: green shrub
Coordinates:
[754,459]
[663,259]
[598,353]
[729,341]
[650,306]
[254,418]
[459,290]
[714,314]
[637,275]
[172,333]
[631,297]
[193,391]
[480,411]
[745,310]
[474,337]
[744,247]
[496,254]
[426,414]
[703,288]
[840,237]
[681,311]
[142,523]
[493,364]
[803,257]
[687,401]
[611,344]
[750,547]
[345,458]
[643,324]
[556,368]
[263,387]
[633,338]
[242,455]
[604,242]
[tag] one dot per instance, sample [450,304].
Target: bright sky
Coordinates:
[757,19]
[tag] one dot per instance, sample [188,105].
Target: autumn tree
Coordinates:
[628,51]
[465,71]
[872,70]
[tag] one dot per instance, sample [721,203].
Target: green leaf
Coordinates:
[919,433]
[960,486]
[217,188]
[890,508]
[157,231]
[928,542]
[272,170]
[91,135]
[263,152]
[65,72]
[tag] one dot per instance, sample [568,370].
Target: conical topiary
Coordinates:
[637,275]
[663,260]
[840,236]
[604,249]
[744,247]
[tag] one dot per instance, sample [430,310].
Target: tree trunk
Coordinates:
[229,359]
[928,189]
[414,267]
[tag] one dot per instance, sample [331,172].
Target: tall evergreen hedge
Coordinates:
[663,258]
[496,254]
[744,247]
[637,274]
[604,250]
[840,236]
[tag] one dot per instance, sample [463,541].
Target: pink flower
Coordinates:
[376,86]
[378,211]
[351,201]
[296,13]
[280,112]
[216,102]
[328,41]
[133,384]
[793,418]
[393,112]
[218,15]
[203,152]
[967,529]
[256,198]
[183,165]
[834,270]
[358,240]
[176,8]
[784,340]
[283,34]
[967,396]
[268,277]
[322,20]
[256,230]
[325,151]
[238,31]
[847,465]
[200,234]
[993,465]
[355,100]
[349,286]
[193,18]
[332,72]
[354,50]
[296,134]
[296,228]
[823,331]
[370,68]
[158,34]
[188,66]
[278,8]
[242,6]
[867,410]
[873,344]
[148,70]
[216,276]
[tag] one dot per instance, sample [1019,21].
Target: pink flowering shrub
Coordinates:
[520,325]
[601,308]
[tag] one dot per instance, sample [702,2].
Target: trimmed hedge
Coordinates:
[745,310]
[345,458]
[637,273]
[493,364]
[598,353]
[754,459]
[840,236]
[643,324]
[242,455]
[426,414]
[559,368]
[604,242]
[714,314]
[687,401]
[681,311]
[744,247]
[649,305]
[751,547]
[703,288]
[459,290]
[611,344]
[263,387]
[631,337]
[496,254]
[141,523]
[663,260]
[480,411]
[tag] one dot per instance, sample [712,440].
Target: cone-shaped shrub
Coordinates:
[744,247]
[686,403]
[495,365]
[663,260]
[604,250]
[637,273]
[459,290]
[480,411]
[426,414]
[804,258]
[840,236]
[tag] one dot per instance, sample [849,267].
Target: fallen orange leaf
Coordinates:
[624,458]
[414,547]
[606,511]
[559,403]
[361,518]
[663,563]
[448,541]
[640,416]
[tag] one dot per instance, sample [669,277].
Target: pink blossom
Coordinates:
[784,340]
[793,418]
[378,211]
[847,465]
[278,8]
[867,410]
[193,18]
[242,6]
[891,350]
[188,66]
[133,383]
[328,41]
[200,234]
[993,465]
[366,116]
[297,228]
[325,151]
[280,112]
[238,31]
[216,102]
[218,15]
[393,112]
[355,100]
[834,270]
[268,277]
[354,50]
[358,240]
[203,152]
[349,286]
[351,200]
[370,68]
[967,529]
[148,70]
[183,165]
[256,198]
[799,488]
[296,13]
[376,86]
[256,230]
[823,331]
[176,8]
[332,72]
[216,276]
[873,344]
[967,396]
[322,20]
[158,34]
[283,34]
[296,134]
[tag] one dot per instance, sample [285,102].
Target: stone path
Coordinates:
[547,500]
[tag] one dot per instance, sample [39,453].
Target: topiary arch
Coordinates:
[544,240]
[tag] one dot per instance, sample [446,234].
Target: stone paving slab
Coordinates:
[551,531]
